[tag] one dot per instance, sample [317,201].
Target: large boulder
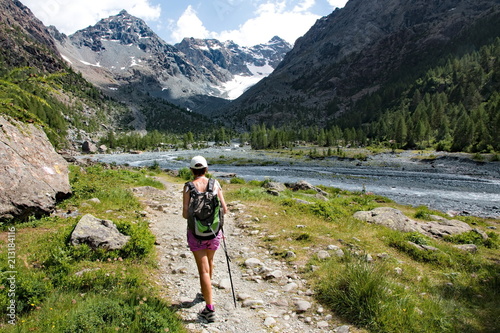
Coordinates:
[33,176]
[98,233]
[89,147]
[389,217]
[395,219]
[304,186]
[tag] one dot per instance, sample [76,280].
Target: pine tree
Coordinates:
[463,134]
[400,130]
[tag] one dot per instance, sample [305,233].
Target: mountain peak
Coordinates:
[123,28]
[276,39]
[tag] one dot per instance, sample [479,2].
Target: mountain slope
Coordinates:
[24,40]
[38,86]
[356,50]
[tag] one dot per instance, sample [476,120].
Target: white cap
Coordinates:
[198,162]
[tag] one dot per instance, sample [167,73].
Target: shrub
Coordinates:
[478,157]
[141,240]
[303,237]
[473,237]
[95,313]
[155,167]
[245,193]
[94,182]
[255,182]
[417,238]
[185,173]
[401,241]
[361,157]
[366,201]
[237,180]
[423,213]
[100,280]
[329,211]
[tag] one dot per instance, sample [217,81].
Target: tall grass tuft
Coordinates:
[363,294]
[356,294]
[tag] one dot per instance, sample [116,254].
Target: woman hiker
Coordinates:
[203,250]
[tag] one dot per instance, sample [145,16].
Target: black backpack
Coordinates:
[205,219]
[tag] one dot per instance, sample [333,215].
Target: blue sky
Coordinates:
[246,22]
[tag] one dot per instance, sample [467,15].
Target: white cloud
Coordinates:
[304,5]
[71,15]
[273,19]
[188,25]
[337,3]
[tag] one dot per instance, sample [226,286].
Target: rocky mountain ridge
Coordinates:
[22,34]
[357,49]
[236,67]
[122,51]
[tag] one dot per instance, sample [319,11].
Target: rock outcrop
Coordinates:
[33,176]
[98,233]
[396,220]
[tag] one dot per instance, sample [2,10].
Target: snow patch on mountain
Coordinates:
[240,83]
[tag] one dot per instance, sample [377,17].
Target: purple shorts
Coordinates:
[197,244]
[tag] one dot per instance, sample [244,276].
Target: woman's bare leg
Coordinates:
[204,262]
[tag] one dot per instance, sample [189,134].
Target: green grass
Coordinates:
[406,289]
[65,288]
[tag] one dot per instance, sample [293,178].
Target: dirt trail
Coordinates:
[270,294]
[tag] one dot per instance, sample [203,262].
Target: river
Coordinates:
[446,182]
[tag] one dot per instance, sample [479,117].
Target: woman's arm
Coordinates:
[222,201]
[185,202]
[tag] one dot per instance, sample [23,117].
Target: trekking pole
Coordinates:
[228,266]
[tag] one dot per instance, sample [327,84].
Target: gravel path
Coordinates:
[271,297]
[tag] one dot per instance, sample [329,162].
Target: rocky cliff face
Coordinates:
[33,177]
[122,51]
[354,51]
